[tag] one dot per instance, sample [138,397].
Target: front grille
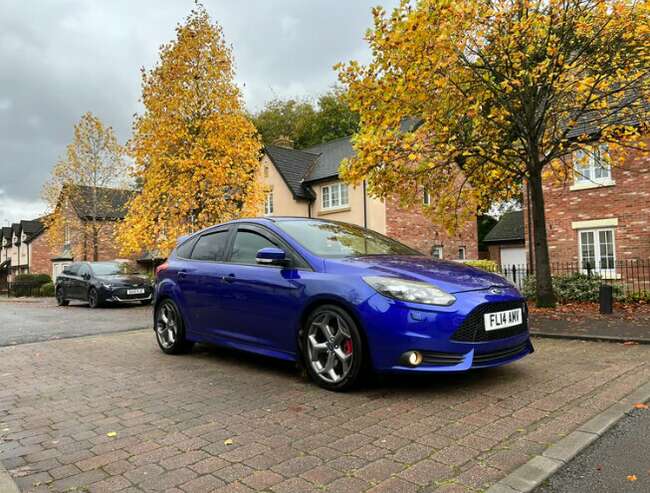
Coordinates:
[441,359]
[501,354]
[473,329]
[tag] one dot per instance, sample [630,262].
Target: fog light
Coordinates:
[412,358]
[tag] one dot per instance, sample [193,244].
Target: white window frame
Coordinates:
[586,163]
[332,196]
[597,269]
[268,203]
[439,249]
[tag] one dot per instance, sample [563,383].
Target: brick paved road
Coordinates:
[58,401]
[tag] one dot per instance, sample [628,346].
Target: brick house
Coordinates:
[24,250]
[595,221]
[306,183]
[26,245]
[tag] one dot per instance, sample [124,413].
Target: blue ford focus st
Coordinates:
[339,298]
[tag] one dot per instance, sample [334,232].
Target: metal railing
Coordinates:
[630,278]
[19,289]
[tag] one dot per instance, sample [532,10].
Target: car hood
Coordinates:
[124,280]
[453,277]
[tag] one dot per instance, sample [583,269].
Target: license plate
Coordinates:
[135,291]
[502,320]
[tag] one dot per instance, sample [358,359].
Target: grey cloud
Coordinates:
[59,59]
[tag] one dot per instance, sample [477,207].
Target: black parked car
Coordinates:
[102,282]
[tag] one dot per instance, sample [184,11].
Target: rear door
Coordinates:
[261,303]
[66,280]
[82,281]
[200,279]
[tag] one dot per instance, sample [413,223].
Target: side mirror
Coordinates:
[86,277]
[271,256]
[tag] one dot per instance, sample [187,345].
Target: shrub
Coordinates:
[38,279]
[47,289]
[574,287]
[488,265]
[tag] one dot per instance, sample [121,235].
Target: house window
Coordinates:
[334,196]
[461,253]
[597,251]
[592,166]
[426,198]
[268,204]
[436,251]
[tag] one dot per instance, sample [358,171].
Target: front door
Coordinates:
[261,303]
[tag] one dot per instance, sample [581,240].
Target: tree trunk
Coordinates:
[544,287]
[95,244]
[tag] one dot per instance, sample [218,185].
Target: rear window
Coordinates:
[184,250]
[210,246]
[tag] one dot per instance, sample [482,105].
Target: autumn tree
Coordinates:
[506,91]
[196,153]
[307,124]
[77,193]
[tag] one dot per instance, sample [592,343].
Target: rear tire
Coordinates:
[170,329]
[333,349]
[60,298]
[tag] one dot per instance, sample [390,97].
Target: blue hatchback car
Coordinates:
[337,297]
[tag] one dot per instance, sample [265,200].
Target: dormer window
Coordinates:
[592,167]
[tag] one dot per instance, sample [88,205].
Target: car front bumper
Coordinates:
[119,295]
[394,328]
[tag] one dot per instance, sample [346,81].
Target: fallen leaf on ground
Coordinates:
[640,405]
[228,441]
[111,434]
[631,477]
[630,343]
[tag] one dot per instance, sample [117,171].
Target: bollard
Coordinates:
[606,298]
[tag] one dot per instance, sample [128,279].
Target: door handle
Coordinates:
[229,278]
[181,275]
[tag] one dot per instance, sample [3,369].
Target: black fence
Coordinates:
[629,278]
[24,288]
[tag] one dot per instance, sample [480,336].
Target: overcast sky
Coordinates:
[59,59]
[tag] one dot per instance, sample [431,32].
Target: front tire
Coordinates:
[170,329]
[60,297]
[93,298]
[332,348]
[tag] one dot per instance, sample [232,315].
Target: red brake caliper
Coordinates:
[347,346]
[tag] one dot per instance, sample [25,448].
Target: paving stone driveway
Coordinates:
[172,415]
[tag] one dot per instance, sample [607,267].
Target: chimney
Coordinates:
[283,141]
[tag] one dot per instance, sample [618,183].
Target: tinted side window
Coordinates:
[210,246]
[83,270]
[246,245]
[184,250]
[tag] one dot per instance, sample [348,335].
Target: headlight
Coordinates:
[413,291]
[106,285]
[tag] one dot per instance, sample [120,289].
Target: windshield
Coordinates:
[327,239]
[113,268]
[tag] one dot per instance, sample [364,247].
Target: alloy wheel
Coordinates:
[330,347]
[167,326]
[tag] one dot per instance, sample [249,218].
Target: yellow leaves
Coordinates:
[228,441]
[632,477]
[111,434]
[196,152]
[640,405]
